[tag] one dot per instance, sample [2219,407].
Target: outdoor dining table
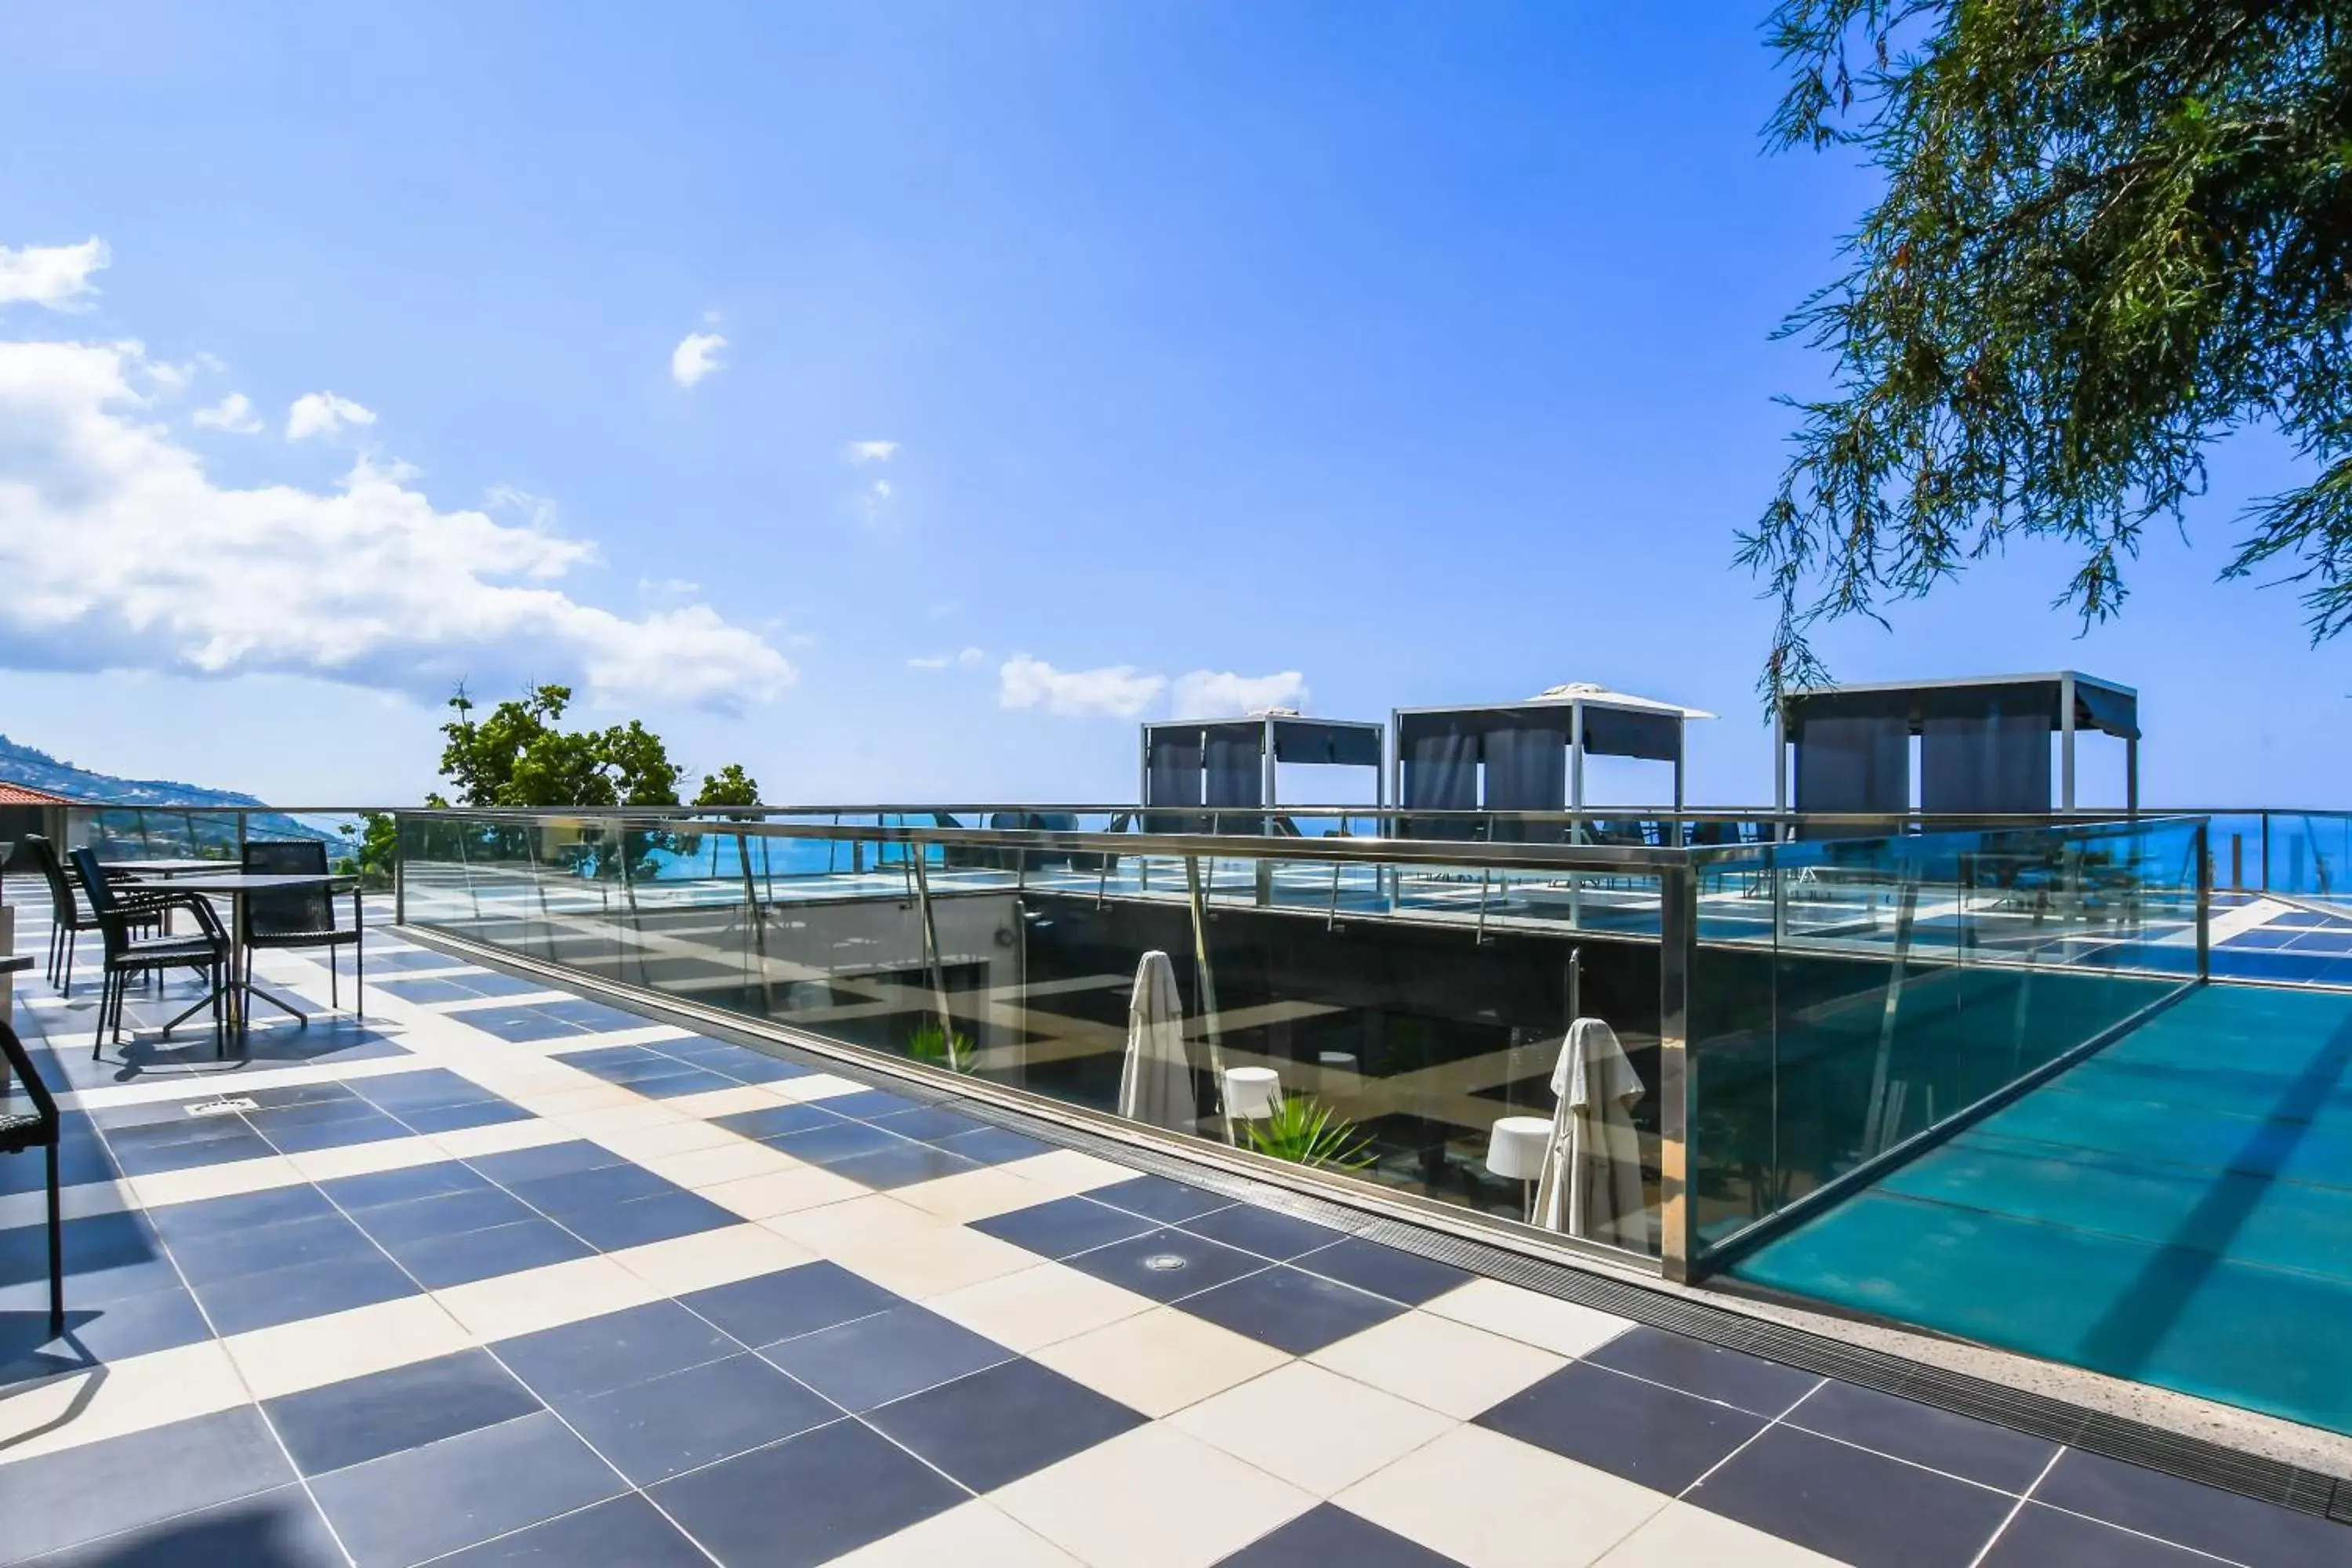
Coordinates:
[237,886]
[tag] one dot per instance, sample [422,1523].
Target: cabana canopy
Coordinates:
[1229,764]
[1531,753]
[1984,743]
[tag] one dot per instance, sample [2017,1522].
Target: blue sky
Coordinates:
[1418,352]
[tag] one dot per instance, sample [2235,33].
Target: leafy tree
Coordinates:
[2113,231]
[379,847]
[518,757]
[730,785]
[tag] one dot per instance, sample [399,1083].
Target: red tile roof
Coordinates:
[25,795]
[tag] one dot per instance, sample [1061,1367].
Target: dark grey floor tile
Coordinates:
[1384,1270]
[51,1501]
[407,1507]
[1261,1231]
[363,1418]
[1167,1265]
[1156,1197]
[841,1140]
[626,1531]
[929,1123]
[575,1190]
[403,1092]
[999,1424]
[643,1220]
[776,1120]
[303,1137]
[515,1026]
[1662,1438]
[1973,1451]
[1330,1534]
[2223,1524]
[280,1529]
[447,1214]
[887,1356]
[994,1145]
[903,1166]
[322,1238]
[284,1295]
[840,1487]
[1858,1506]
[381,1189]
[753,1067]
[670,1424]
[1291,1311]
[517,1165]
[156,1159]
[1064,1226]
[685,1080]
[456,1118]
[599,1355]
[2046,1538]
[178,1223]
[1764,1387]
[871,1104]
[441,1261]
[791,1302]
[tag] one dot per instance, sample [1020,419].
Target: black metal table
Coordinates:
[237,886]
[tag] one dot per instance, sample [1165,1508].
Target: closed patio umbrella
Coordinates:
[1591,1182]
[1155,1083]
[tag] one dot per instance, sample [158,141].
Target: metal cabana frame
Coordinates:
[1208,753]
[1962,711]
[1434,751]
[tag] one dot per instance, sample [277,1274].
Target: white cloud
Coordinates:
[537,511]
[870,451]
[121,552]
[1116,690]
[323,414]
[232,413]
[969,658]
[1215,694]
[669,587]
[56,276]
[695,357]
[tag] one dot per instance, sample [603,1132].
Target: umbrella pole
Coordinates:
[1204,984]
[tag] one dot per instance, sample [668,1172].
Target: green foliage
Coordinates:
[2110,234]
[379,847]
[730,785]
[1306,1131]
[520,756]
[928,1042]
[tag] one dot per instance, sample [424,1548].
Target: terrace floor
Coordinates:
[504,1274]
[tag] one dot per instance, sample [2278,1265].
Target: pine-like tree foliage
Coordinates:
[2111,234]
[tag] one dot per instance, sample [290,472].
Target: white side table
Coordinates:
[1251,1093]
[1515,1147]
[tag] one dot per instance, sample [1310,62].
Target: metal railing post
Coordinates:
[1678,1240]
[931,959]
[2204,906]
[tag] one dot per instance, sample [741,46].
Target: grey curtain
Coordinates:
[1235,761]
[1173,777]
[1527,770]
[1860,765]
[1986,765]
[1441,774]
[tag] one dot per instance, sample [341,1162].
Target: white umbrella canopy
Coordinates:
[1155,1083]
[1591,1182]
[1587,691]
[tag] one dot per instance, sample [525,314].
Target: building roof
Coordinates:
[25,795]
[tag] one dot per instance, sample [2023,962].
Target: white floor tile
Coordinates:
[1038,1306]
[133,1394]
[815,1086]
[649,1143]
[1491,1501]
[1151,1497]
[710,1257]
[1682,1536]
[224,1180]
[79,1202]
[545,1297]
[500,1137]
[973,1195]
[366,1159]
[932,1263]
[861,1222]
[1436,1362]
[976,1533]
[314,1352]
[733,1160]
[635,1118]
[1561,1327]
[725,1101]
[1161,1361]
[788,1191]
[1313,1429]
[1063,1172]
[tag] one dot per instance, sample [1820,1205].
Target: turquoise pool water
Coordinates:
[2178,1210]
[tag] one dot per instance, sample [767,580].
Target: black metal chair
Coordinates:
[38,1128]
[126,954]
[299,917]
[70,914]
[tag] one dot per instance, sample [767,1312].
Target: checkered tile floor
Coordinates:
[505,1276]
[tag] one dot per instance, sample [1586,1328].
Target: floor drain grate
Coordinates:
[225,1106]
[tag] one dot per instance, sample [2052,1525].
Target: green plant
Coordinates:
[928,1042]
[1306,1131]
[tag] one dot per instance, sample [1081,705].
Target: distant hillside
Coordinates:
[31,766]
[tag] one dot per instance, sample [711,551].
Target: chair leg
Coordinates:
[56,1250]
[334,982]
[105,995]
[66,989]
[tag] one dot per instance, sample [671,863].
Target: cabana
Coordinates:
[1529,756]
[1984,744]
[1230,765]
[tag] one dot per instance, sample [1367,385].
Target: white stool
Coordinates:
[1341,1071]
[1251,1093]
[1515,1147]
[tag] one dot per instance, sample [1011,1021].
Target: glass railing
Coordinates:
[1796,1014]
[169,833]
[1885,990]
